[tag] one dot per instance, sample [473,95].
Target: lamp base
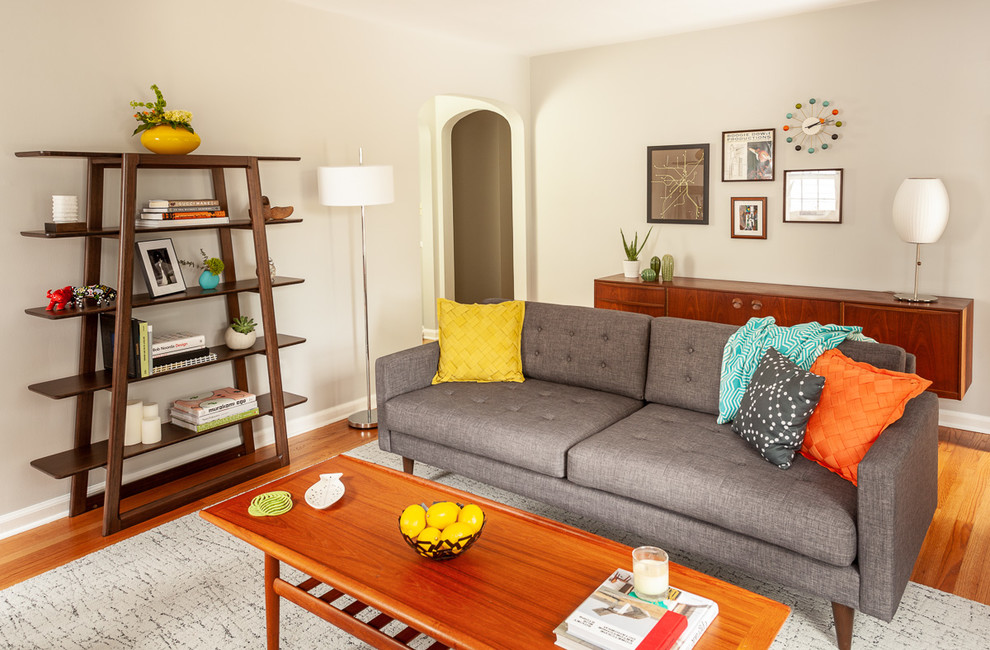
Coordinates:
[910,297]
[364,419]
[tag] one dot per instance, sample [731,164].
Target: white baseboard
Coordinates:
[431,335]
[35,515]
[965,421]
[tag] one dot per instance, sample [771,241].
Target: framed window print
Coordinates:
[813,196]
[677,184]
[747,155]
[749,217]
[158,261]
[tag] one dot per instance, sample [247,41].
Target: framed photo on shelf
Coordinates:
[747,155]
[749,217]
[677,184]
[160,265]
[813,196]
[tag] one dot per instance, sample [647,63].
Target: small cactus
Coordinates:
[655,264]
[667,267]
[243,324]
[648,275]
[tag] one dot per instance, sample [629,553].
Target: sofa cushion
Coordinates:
[480,342]
[686,363]
[600,349]
[531,424]
[858,403]
[683,461]
[775,409]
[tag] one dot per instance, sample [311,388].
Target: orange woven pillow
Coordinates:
[859,401]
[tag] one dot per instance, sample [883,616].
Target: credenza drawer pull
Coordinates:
[757,305]
[736,303]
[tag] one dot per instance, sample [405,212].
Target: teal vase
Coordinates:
[208,281]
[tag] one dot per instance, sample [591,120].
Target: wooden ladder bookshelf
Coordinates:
[85,454]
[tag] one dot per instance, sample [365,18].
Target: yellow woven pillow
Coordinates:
[480,343]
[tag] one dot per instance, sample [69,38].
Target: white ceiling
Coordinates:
[532,27]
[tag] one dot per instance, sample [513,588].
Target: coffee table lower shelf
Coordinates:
[346,619]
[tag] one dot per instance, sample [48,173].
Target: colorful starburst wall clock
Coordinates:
[812,127]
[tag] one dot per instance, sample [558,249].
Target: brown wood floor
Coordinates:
[952,558]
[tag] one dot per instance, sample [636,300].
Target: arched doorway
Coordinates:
[438,118]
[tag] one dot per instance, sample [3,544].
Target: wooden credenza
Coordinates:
[939,334]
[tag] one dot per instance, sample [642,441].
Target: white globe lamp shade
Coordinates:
[921,210]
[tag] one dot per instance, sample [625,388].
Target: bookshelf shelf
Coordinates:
[86,455]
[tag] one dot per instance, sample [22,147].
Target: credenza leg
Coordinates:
[271,601]
[843,617]
[407,465]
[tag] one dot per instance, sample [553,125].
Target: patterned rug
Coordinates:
[187,584]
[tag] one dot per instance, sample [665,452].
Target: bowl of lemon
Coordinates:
[443,530]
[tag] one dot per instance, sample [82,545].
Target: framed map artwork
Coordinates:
[677,184]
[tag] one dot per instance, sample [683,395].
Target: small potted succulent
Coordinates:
[630,267]
[241,334]
[211,268]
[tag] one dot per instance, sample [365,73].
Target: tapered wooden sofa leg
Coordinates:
[843,617]
[407,465]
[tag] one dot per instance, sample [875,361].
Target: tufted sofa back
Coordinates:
[599,349]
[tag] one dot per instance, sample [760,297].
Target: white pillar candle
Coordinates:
[151,430]
[150,410]
[132,422]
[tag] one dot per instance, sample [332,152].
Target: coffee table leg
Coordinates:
[271,601]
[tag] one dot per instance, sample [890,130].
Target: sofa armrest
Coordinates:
[402,372]
[897,497]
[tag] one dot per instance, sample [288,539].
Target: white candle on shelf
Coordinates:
[134,415]
[151,430]
[150,410]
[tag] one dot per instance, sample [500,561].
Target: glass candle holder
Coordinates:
[650,573]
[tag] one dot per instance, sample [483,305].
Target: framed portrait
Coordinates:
[677,184]
[158,261]
[813,196]
[749,217]
[747,155]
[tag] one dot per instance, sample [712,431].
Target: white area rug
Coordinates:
[187,584]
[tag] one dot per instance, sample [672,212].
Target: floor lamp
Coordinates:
[359,186]
[921,211]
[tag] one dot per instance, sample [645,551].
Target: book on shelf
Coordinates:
[177,342]
[151,224]
[139,354]
[188,208]
[212,417]
[175,216]
[613,619]
[206,357]
[181,203]
[215,424]
[213,401]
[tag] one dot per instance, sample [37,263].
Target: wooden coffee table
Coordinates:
[510,590]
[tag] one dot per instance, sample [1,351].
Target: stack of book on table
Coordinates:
[216,408]
[172,213]
[179,350]
[612,618]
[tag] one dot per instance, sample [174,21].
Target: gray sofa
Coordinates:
[616,421]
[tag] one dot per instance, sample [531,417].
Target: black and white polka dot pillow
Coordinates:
[776,408]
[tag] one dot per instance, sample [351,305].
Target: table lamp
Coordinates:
[921,211]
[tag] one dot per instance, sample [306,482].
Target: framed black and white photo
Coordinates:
[813,196]
[747,155]
[749,217]
[158,261]
[677,183]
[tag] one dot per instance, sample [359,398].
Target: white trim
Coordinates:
[48,511]
[965,421]
[431,335]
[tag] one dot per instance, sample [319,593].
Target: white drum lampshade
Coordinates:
[354,186]
[921,212]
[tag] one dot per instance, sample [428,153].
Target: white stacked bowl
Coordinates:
[65,207]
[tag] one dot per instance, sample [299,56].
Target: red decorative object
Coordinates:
[60,299]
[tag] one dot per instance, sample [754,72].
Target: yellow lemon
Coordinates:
[473,516]
[413,520]
[455,532]
[441,514]
[431,535]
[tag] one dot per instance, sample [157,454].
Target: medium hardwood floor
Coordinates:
[952,558]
